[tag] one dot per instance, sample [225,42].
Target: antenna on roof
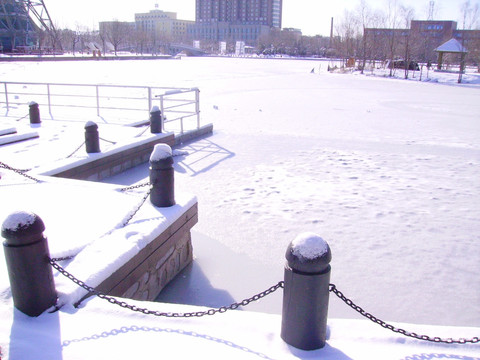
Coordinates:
[431,10]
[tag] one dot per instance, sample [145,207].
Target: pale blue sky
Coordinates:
[311,16]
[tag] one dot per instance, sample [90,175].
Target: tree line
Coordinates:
[353,37]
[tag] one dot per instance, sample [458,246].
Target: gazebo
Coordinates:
[452,46]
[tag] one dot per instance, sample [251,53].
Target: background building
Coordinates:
[235,20]
[162,24]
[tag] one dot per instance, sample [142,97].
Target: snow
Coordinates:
[89,124]
[18,220]
[309,246]
[384,170]
[160,152]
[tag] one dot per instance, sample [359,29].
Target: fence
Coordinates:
[306,281]
[113,104]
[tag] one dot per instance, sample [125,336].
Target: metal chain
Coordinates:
[111,142]
[78,148]
[143,131]
[236,305]
[123,304]
[135,186]
[63,258]
[22,117]
[19,172]
[382,323]
[132,214]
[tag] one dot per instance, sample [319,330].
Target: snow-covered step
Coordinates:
[8,139]
[8,131]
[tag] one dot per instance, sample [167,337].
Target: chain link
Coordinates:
[135,186]
[133,213]
[146,311]
[23,117]
[382,323]
[19,172]
[111,142]
[78,148]
[143,131]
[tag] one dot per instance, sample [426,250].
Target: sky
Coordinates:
[313,17]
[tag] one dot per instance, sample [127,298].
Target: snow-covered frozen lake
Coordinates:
[386,171]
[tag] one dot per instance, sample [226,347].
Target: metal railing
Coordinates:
[114,104]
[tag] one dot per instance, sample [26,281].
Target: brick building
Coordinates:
[419,42]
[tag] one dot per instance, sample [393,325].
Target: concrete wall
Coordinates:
[113,163]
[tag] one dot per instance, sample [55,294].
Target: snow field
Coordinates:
[384,170]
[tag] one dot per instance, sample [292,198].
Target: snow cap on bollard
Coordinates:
[308,253]
[160,152]
[22,228]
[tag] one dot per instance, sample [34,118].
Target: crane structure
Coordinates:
[22,21]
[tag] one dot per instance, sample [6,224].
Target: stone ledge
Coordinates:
[147,273]
[187,136]
[101,166]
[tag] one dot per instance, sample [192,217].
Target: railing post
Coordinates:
[34,113]
[6,97]
[162,105]
[27,256]
[98,100]
[197,106]
[156,120]
[162,176]
[306,292]
[149,98]
[49,101]
[92,138]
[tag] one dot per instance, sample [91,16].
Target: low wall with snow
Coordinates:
[147,273]
[103,165]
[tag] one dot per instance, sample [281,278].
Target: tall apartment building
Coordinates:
[236,20]
[240,12]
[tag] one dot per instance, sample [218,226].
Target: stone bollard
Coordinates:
[27,255]
[92,139]
[156,120]
[34,113]
[306,292]
[162,176]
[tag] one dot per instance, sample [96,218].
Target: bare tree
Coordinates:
[392,23]
[116,33]
[407,14]
[470,15]
[363,12]
[349,35]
